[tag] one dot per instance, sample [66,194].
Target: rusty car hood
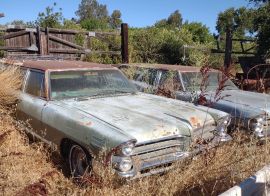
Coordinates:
[250,103]
[142,116]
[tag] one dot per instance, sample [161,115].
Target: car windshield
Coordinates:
[193,80]
[89,83]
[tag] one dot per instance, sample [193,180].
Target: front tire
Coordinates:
[80,162]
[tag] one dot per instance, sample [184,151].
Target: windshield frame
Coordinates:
[86,69]
[185,88]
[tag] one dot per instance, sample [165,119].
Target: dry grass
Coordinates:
[10,82]
[30,169]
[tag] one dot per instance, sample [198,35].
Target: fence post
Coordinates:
[39,41]
[47,32]
[228,49]
[124,43]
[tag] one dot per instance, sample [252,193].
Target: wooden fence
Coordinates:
[19,40]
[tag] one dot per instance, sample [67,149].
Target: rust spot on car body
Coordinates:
[86,123]
[195,122]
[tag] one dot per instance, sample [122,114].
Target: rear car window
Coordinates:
[35,83]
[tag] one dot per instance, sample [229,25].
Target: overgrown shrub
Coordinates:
[158,45]
[105,43]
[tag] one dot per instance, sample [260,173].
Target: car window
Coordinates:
[88,83]
[170,79]
[146,75]
[35,83]
[193,81]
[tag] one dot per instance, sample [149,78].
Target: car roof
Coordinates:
[59,65]
[168,67]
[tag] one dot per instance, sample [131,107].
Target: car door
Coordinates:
[32,100]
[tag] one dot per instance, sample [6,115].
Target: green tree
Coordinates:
[91,9]
[50,17]
[200,33]
[161,23]
[174,21]
[93,15]
[115,19]
[262,27]
[259,2]
[18,22]
[94,24]
[71,24]
[237,20]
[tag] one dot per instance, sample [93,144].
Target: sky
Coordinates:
[137,13]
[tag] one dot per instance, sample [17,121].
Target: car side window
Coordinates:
[147,75]
[35,84]
[155,76]
[142,75]
[139,75]
[170,79]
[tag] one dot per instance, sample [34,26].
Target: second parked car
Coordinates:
[249,110]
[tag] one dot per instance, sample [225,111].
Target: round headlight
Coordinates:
[260,120]
[256,124]
[125,165]
[258,129]
[222,123]
[227,120]
[221,128]
[127,149]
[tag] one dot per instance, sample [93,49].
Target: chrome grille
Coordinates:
[160,153]
[165,144]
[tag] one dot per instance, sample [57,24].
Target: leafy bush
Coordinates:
[158,45]
[94,24]
[106,44]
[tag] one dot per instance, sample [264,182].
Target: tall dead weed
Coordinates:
[10,80]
